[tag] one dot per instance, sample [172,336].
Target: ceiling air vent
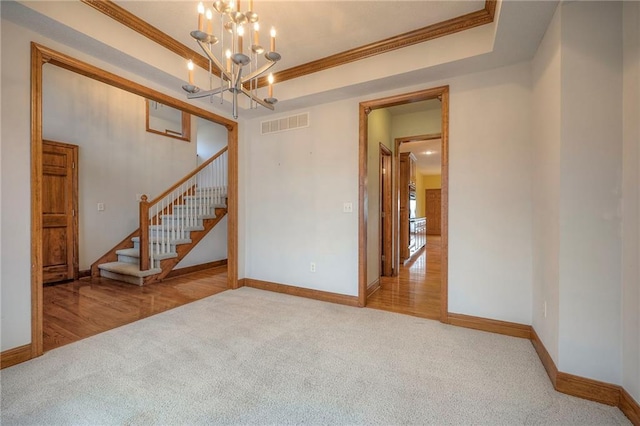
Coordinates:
[286,123]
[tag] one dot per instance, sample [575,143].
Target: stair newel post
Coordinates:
[144,233]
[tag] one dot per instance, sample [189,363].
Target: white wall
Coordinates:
[118,158]
[490,194]
[211,138]
[545,187]
[297,181]
[379,131]
[296,184]
[631,195]
[590,190]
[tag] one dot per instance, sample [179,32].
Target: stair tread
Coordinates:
[171,242]
[128,269]
[134,252]
[171,228]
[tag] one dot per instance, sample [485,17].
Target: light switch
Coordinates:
[100,207]
[347,208]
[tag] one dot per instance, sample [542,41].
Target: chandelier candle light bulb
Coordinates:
[200,16]
[273,39]
[270,85]
[190,68]
[240,35]
[228,55]
[209,21]
[256,37]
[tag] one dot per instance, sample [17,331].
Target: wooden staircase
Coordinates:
[171,225]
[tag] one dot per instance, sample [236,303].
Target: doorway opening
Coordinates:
[409,184]
[40,56]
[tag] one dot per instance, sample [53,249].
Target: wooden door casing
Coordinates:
[59,211]
[386,214]
[433,200]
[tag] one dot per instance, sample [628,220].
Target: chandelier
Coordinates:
[240,55]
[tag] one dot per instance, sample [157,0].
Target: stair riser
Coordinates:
[136,260]
[120,277]
[197,211]
[157,233]
[173,220]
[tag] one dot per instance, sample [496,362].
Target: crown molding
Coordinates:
[465,22]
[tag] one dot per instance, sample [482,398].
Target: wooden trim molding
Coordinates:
[128,19]
[451,26]
[323,296]
[196,268]
[15,356]
[483,16]
[582,387]
[594,390]
[441,93]
[629,407]
[492,326]
[545,358]
[375,286]
[41,55]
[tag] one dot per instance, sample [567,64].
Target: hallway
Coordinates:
[416,289]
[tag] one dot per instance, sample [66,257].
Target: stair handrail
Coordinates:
[189,176]
[145,206]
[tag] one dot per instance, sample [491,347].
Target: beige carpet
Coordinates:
[255,357]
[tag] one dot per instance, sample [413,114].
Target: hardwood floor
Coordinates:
[79,309]
[416,289]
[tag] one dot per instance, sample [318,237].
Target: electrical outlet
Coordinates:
[312,267]
[100,207]
[347,207]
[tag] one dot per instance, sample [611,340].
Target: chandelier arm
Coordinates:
[258,72]
[205,93]
[258,100]
[215,61]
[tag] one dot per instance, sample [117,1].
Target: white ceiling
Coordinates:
[308,30]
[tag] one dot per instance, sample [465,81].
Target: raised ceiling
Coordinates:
[311,30]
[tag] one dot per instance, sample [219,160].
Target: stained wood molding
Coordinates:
[594,390]
[492,326]
[128,19]
[196,268]
[629,407]
[375,286]
[480,17]
[451,26]
[545,358]
[15,356]
[324,296]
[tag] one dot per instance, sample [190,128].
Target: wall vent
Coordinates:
[285,123]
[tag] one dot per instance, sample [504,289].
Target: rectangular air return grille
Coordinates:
[286,123]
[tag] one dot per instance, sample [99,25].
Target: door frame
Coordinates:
[386,223]
[442,93]
[41,55]
[74,200]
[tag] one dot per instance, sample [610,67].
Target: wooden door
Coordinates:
[433,211]
[59,207]
[386,224]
